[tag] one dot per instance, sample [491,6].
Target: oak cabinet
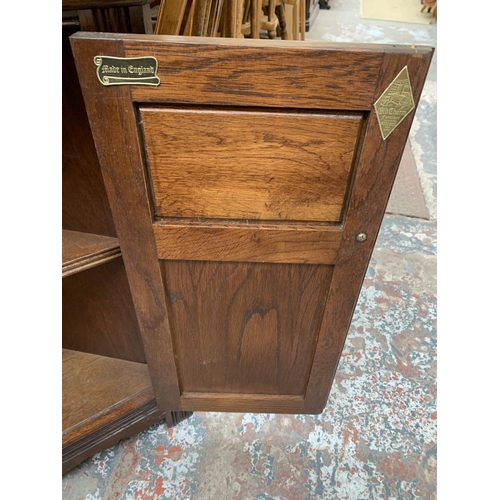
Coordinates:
[107,390]
[245,233]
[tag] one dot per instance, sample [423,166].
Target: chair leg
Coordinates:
[239,18]
[255,18]
[290,21]
[187,23]
[271,16]
[295,17]
[230,19]
[199,17]
[302,4]
[280,12]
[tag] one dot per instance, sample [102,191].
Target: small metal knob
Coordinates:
[361,237]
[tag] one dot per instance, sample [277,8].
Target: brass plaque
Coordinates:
[395,103]
[127,70]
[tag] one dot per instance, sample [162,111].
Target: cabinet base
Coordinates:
[126,426]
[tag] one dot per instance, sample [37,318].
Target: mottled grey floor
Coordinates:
[377,436]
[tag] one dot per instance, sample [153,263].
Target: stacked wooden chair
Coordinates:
[232,18]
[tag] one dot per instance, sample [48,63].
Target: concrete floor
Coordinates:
[377,436]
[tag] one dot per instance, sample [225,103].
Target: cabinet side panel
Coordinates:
[246,328]
[98,314]
[85,206]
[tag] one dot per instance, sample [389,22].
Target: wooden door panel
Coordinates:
[247,190]
[245,328]
[251,73]
[247,243]
[249,165]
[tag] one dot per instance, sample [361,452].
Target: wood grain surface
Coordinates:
[104,400]
[264,336]
[113,120]
[245,328]
[134,18]
[109,324]
[251,243]
[85,206]
[82,251]
[374,176]
[108,428]
[287,74]
[98,313]
[170,15]
[95,426]
[249,165]
[252,403]
[94,384]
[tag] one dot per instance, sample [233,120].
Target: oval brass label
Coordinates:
[127,70]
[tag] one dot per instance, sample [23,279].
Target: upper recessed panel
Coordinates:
[249,165]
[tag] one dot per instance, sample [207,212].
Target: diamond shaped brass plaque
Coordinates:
[394,104]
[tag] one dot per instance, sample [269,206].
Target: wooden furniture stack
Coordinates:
[248,180]
[107,391]
[431,6]
[233,18]
[312,10]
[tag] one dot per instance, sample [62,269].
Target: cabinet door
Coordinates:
[247,189]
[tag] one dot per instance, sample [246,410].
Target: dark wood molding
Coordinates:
[123,427]
[101,4]
[105,400]
[83,251]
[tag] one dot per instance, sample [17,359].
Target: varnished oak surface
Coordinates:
[95,385]
[250,243]
[253,403]
[245,328]
[265,327]
[249,165]
[98,314]
[108,429]
[376,171]
[211,70]
[145,276]
[82,251]
[85,206]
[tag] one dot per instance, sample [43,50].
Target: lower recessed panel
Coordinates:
[245,328]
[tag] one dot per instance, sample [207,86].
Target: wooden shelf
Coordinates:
[96,386]
[107,392]
[104,400]
[82,251]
